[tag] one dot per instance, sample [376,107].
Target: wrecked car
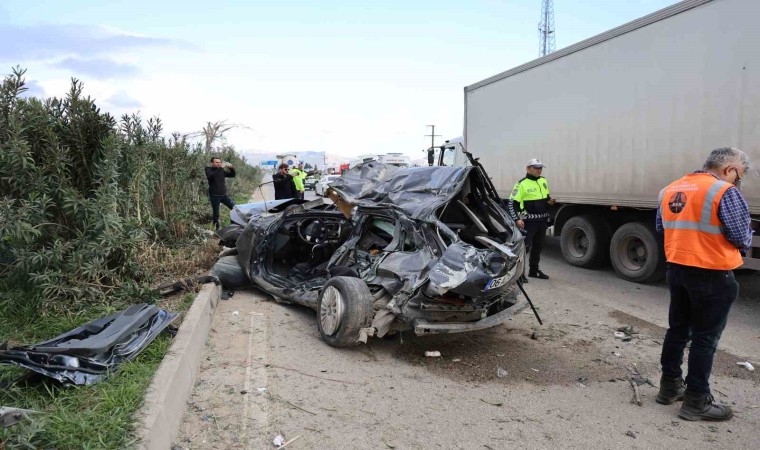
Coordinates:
[428,249]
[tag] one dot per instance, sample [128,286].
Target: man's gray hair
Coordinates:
[726,156]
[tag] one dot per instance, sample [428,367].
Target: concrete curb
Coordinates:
[159,419]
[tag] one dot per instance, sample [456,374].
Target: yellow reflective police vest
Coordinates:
[527,190]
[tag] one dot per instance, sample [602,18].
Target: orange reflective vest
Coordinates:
[693,235]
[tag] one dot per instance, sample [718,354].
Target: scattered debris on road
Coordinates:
[624,333]
[746,364]
[501,373]
[433,354]
[636,395]
[490,402]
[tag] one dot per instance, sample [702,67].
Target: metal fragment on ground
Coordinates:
[89,353]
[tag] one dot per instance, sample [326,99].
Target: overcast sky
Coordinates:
[346,77]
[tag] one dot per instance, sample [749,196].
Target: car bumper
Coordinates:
[422,327]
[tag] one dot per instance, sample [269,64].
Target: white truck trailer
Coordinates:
[617,117]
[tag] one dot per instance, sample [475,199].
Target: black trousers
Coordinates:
[700,300]
[216,200]
[534,241]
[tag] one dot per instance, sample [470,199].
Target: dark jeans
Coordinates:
[534,241]
[700,300]
[216,200]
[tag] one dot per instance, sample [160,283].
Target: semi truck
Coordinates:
[617,117]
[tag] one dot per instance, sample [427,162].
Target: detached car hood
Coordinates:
[417,191]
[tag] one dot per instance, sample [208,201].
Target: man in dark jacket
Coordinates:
[284,187]
[217,187]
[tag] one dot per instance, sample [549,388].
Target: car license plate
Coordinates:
[497,282]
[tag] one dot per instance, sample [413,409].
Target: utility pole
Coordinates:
[432,135]
[546,41]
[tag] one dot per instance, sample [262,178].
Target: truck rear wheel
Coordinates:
[636,253]
[585,241]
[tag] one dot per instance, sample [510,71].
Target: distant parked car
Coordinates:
[321,187]
[309,183]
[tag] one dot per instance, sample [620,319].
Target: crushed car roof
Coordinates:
[417,191]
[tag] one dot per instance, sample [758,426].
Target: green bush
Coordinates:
[81,194]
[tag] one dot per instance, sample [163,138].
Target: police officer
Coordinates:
[706,223]
[529,208]
[298,176]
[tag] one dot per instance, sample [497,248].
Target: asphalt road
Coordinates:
[561,385]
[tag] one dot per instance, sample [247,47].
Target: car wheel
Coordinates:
[344,308]
[636,253]
[585,241]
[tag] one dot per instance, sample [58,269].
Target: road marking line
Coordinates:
[248,370]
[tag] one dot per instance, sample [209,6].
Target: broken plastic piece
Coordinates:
[433,354]
[235,313]
[746,364]
[278,440]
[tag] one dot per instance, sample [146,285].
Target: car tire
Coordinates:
[343,309]
[636,253]
[585,241]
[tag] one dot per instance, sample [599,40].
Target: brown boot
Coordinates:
[671,390]
[701,407]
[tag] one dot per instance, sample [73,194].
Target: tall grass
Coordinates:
[82,195]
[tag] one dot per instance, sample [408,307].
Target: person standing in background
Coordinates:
[284,187]
[217,187]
